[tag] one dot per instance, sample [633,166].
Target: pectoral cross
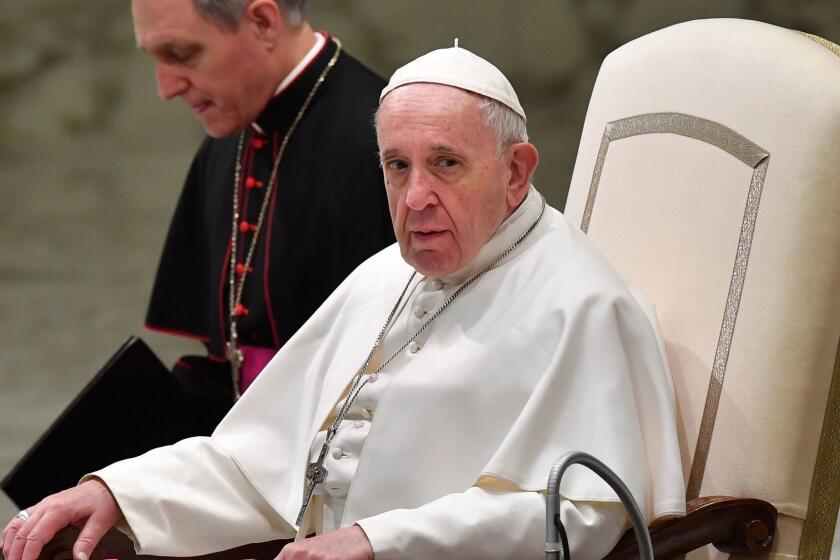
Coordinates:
[235,357]
[316,473]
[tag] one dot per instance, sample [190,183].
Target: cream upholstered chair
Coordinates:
[709,173]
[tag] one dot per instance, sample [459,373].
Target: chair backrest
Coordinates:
[709,172]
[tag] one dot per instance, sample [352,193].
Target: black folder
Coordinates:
[132,405]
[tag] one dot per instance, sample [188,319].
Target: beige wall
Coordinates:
[91,161]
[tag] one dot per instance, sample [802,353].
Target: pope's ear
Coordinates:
[266,19]
[523,161]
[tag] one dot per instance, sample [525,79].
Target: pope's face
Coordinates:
[447,189]
[217,72]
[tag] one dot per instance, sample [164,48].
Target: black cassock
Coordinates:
[327,213]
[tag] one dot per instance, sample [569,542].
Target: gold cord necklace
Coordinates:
[235,289]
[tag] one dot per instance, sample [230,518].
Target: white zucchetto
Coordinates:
[459,68]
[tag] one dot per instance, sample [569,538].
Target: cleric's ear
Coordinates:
[522,159]
[266,20]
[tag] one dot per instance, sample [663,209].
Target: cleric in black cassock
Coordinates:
[325,213]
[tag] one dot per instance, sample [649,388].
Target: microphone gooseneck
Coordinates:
[555,535]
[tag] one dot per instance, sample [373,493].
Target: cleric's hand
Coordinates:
[349,543]
[89,505]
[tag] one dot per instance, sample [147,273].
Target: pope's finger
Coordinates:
[97,525]
[18,540]
[9,532]
[10,528]
[46,526]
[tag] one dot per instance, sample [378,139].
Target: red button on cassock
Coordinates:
[257,143]
[240,310]
[245,226]
[240,268]
[252,183]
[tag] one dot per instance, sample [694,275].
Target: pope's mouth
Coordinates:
[427,236]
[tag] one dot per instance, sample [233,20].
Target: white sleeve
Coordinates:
[487,524]
[190,499]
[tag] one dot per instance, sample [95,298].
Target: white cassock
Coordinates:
[446,452]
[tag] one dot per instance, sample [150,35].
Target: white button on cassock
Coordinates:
[337,453]
[413,347]
[373,377]
[435,284]
[366,414]
[419,312]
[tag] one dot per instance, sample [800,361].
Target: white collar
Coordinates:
[320,40]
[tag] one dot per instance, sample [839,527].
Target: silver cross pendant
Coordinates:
[235,357]
[316,473]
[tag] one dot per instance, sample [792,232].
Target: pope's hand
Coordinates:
[89,506]
[349,543]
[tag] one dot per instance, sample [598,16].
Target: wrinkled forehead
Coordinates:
[431,117]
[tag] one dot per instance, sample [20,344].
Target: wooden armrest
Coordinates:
[734,525]
[743,526]
[115,545]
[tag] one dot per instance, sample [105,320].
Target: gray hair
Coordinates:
[500,119]
[227,13]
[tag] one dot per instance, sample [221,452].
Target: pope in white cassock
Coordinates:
[418,413]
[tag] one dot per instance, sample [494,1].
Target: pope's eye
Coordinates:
[396,165]
[447,162]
